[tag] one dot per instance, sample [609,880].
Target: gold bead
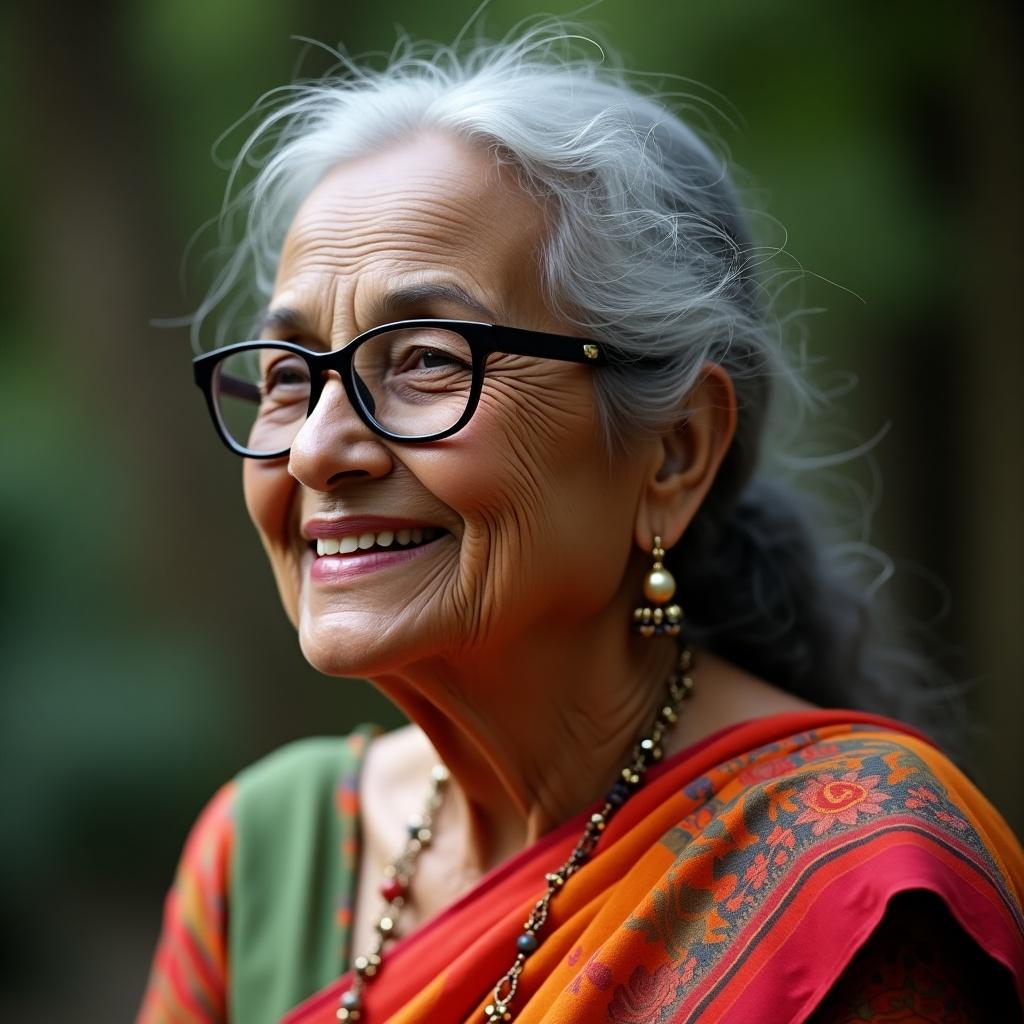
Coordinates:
[659,585]
[366,965]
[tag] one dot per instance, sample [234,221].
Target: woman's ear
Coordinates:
[686,459]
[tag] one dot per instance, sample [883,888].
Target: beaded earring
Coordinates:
[659,586]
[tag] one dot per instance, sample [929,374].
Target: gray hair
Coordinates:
[648,250]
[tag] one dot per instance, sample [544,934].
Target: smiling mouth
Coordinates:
[369,542]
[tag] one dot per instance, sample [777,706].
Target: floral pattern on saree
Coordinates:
[753,818]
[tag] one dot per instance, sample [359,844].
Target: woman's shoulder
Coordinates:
[290,775]
[283,824]
[291,809]
[806,834]
[845,776]
[307,760]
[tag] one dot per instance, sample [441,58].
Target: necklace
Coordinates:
[397,876]
[647,751]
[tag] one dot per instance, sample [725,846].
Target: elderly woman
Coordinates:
[500,429]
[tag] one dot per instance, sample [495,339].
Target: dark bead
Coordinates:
[527,943]
[351,1001]
[618,794]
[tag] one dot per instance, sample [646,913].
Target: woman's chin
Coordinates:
[350,643]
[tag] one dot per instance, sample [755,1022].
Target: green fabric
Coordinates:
[293,874]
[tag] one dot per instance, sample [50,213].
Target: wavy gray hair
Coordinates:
[649,250]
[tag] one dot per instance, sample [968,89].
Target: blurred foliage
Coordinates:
[144,656]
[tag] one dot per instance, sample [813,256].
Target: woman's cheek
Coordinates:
[515,480]
[269,493]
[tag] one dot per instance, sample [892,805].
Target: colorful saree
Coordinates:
[736,886]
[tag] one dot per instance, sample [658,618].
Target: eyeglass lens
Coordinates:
[412,382]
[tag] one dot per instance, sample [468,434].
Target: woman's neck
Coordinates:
[534,736]
[532,733]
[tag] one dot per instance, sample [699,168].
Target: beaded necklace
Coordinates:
[394,889]
[647,751]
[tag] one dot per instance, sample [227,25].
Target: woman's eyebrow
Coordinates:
[283,319]
[392,304]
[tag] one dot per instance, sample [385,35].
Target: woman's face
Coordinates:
[531,521]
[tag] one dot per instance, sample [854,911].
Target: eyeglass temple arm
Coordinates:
[518,342]
[236,387]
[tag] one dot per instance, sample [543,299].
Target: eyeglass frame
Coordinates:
[483,339]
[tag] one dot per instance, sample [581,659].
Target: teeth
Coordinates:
[363,541]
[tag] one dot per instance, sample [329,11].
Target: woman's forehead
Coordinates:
[428,208]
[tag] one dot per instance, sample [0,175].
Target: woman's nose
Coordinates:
[334,444]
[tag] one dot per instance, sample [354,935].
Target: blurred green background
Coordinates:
[145,658]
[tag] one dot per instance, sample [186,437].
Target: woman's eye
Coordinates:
[431,358]
[416,359]
[287,374]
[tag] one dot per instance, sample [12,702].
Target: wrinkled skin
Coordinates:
[508,644]
[523,489]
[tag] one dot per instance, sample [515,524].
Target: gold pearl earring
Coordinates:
[659,586]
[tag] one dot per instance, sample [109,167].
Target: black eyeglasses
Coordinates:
[412,381]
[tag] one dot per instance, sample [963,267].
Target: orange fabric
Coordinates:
[739,882]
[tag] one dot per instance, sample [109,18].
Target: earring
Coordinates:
[659,586]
